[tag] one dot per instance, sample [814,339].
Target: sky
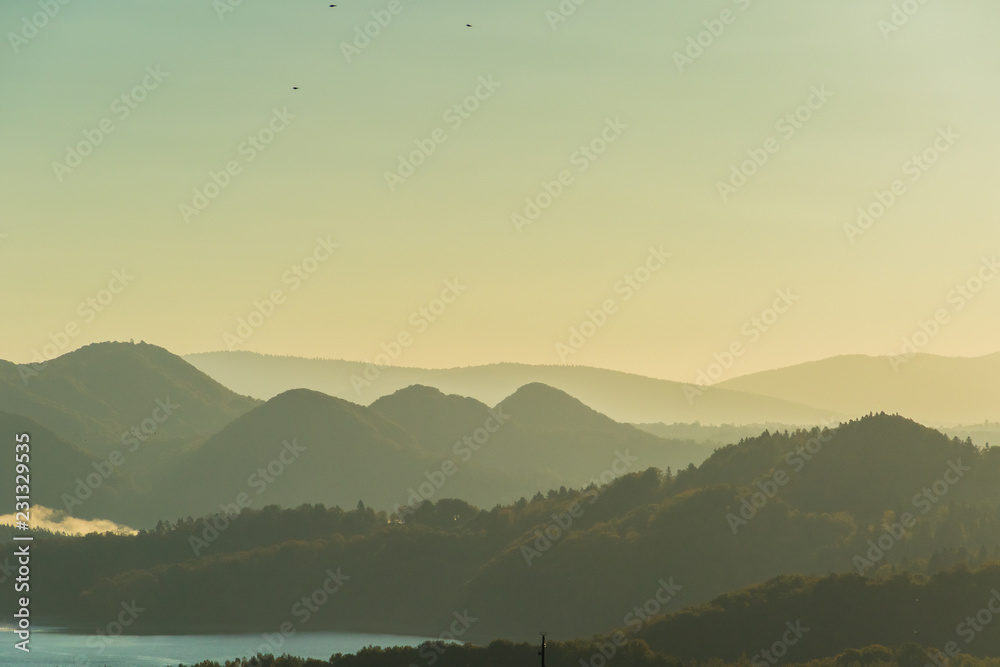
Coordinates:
[622,185]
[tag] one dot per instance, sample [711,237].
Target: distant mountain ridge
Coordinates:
[931,389]
[624,397]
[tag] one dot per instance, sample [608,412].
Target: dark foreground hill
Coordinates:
[574,653]
[954,610]
[864,468]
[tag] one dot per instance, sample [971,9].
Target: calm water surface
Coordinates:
[56,649]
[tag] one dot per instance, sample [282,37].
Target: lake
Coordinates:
[56,649]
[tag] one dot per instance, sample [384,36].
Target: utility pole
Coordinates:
[542,652]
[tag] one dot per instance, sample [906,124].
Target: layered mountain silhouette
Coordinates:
[929,388]
[416,444]
[194,447]
[535,506]
[580,562]
[624,397]
[537,429]
[328,450]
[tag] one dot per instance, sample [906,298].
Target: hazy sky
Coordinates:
[198,82]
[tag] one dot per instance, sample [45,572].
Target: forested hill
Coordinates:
[573,561]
